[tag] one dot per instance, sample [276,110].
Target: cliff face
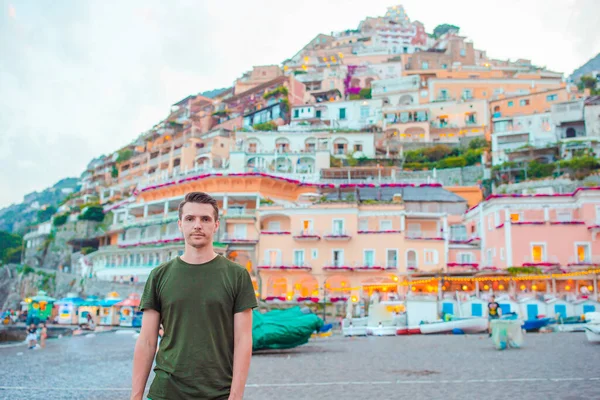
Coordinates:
[587,68]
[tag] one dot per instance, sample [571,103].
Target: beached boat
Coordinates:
[534,325]
[592,332]
[467,325]
[354,327]
[408,330]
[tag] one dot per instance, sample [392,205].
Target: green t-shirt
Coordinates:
[196,305]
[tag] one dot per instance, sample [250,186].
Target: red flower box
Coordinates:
[274,233]
[372,232]
[332,267]
[567,223]
[313,299]
[365,268]
[337,299]
[472,265]
[272,298]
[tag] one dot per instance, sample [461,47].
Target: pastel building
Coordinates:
[296,152]
[353,115]
[340,246]
[555,233]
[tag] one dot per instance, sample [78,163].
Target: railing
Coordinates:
[232,237]
[297,264]
[424,235]
[307,234]
[586,261]
[545,261]
[337,233]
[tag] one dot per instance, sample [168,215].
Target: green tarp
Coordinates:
[283,329]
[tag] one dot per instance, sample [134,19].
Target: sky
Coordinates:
[81,78]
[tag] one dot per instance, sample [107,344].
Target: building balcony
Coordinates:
[338,266]
[459,267]
[542,262]
[233,238]
[387,232]
[340,235]
[168,240]
[424,235]
[583,262]
[237,213]
[473,239]
[275,233]
[307,235]
[284,266]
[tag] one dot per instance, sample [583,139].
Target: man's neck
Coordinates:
[193,255]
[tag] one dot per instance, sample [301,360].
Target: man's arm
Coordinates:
[242,352]
[145,349]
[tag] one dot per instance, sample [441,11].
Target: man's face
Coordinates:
[198,224]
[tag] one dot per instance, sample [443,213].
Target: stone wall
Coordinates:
[547,186]
[466,176]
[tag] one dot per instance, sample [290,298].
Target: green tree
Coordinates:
[60,219]
[452,162]
[10,247]
[478,143]
[45,214]
[443,28]
[437,152]
[124,155]
[114,173]
[92,213]
[365,93]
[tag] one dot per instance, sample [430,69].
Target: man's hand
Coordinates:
[143,356]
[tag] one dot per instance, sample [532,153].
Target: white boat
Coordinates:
[592,332]
[354,327]
[467,325]
[388,328]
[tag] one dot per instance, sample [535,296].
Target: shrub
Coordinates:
[452,162]
[539,170]
[92,213]
[478,143]
[60,219]
[266,126]
[365,93]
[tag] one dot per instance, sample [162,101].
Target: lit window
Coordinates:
[515,217]
[537,253]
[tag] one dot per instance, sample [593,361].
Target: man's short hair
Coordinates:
[200,198]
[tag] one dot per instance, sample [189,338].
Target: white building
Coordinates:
[397,91]
[296,152]
[512,133]
[352,115]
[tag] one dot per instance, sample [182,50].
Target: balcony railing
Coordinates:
[587,261]
[336,265]
[547,261]
[307,234]
[284,265]
[424,235]
[337,234]
[239,213]
[233,238]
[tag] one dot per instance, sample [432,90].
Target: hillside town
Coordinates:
[382,158]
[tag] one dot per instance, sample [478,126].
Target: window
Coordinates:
[274,226]
[338,258]
[411,259]
[465,258]
[363,225]
[552,97]
[272,257]
[385,225]
[296,113]
[582,253]
[489,258]
[314,254]
[538,253]
[443,94]
[489,220]
[391,258]
[298,258]
[467,94]
[414,230]
[338,226]
[458,232]
[444,66]
[239,231]
[524,102]
[431,257]
[318,113]
[364,112]
[342,113]
[502,253]
[471,118]
[358,147]
[463,53]
[515,217]
[369,258]
[425,65]
[307,226]
[511,103]
[563,216]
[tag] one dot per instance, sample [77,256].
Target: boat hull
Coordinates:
[467,325]
[593,334]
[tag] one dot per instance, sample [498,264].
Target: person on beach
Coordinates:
[31,336]
[43,335]
[494,312]
[204,302]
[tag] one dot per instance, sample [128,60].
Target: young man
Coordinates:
[494,311]
[204,303]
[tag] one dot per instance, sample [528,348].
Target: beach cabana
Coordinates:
[585,306]
[474,307]
[67,309]
[129,314]
[109,311]
[91,306]
[531,307]
[558,306]
[39,307]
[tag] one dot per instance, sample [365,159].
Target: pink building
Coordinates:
[555,233]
